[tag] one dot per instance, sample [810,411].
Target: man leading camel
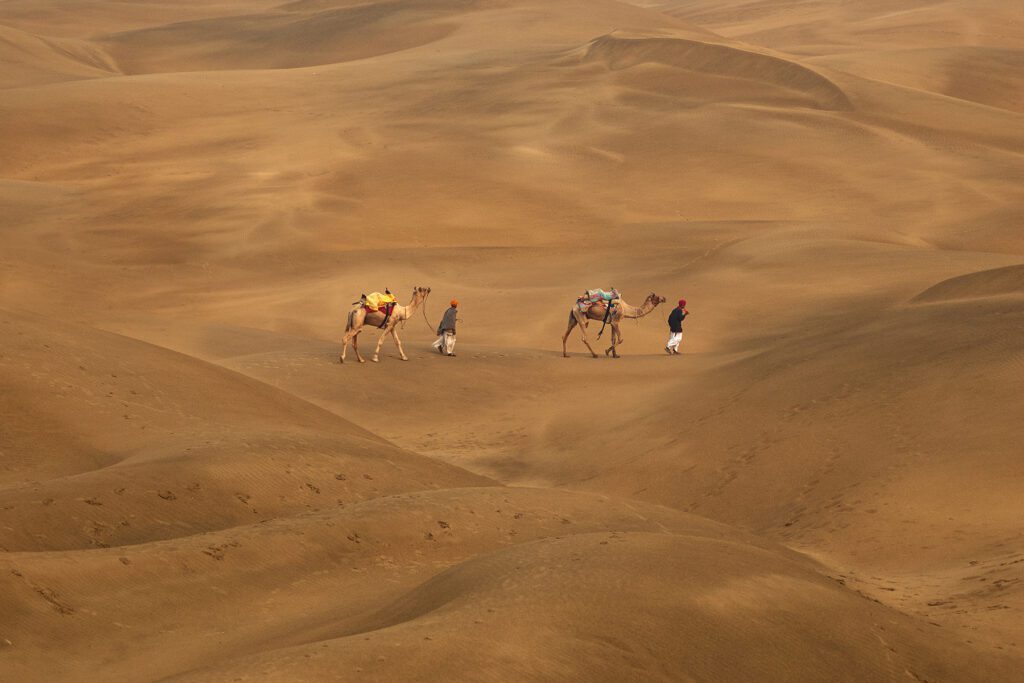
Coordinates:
[578,318]
[445,343]
[675,328]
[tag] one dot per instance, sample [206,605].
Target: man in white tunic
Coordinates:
[445,343]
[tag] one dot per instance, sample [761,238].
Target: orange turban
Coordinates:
[455,302]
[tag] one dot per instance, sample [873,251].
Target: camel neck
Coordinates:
[413,305]
[636,311]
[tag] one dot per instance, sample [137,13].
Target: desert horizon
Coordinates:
[825,484]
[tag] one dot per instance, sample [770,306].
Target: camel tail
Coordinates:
[348,320]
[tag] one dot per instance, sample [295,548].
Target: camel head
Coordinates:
[419,294]
[653,299]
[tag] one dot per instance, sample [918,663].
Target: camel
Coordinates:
[358,317]
[597,311]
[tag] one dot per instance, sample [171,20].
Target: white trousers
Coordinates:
[445,343]
[673,340]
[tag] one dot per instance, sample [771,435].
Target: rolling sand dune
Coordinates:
[718,61]
[826,485]
[986,283]
[32,60]
[279,41]
[990,76]
[130,425]
[689,627]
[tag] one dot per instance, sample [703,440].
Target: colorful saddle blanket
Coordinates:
[597,295]
[378,301]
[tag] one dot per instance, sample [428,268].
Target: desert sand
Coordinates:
[826,485]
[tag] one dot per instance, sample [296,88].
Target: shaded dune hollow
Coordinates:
[29,59]
[721,61]
[280,40]
[994,282]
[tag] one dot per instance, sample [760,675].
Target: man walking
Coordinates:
[445,343]
[675,328]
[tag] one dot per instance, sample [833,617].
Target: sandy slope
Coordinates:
[826,485]
[737,611]
[144,444]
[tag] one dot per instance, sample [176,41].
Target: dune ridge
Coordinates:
[1008,280]
[30,59]
[279,40]
[621,52]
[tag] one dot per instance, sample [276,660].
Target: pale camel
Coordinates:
[597,311]
[358,317]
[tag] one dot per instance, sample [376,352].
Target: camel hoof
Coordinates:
[362,360]
[404,358]
[375,360]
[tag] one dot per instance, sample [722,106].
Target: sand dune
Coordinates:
[815,27]
[750,612]
[74,18]
[280,40]
[990,76]
[717,60]
[826,485]
[143,444]
[338,581]
[317,575]
[31,60]
[1009,280]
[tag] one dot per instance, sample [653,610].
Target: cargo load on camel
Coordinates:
[378,302]
[597,296]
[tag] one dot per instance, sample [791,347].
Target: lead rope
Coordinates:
[427,321]
[424,309]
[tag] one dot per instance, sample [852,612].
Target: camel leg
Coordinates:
[616,339]
[376,351]
[583,334]
[398,343]
[353,327]
[355,346]
[565,337]
[349,338]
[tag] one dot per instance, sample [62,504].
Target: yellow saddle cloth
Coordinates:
[378,301]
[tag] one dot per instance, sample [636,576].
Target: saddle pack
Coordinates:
[597,296]
[379,303]
[593,297]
